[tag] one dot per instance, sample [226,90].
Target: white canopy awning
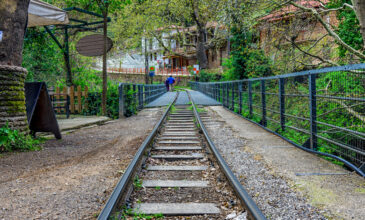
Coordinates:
[41,14]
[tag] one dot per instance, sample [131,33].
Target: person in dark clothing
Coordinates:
[167,85]
[170,82]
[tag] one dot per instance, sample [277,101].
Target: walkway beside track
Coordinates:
[198,97]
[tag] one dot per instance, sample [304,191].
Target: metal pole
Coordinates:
[313,111]
[240,97]
[250,97]
[227,95]
[282,102]
[232,97]
[121,101]
[263,102]
[139,96]
[67,58]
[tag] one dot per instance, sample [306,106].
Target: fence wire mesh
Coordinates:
[319,109]
[133,97]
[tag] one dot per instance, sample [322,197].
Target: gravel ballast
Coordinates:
[272,193]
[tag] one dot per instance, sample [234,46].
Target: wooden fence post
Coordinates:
[65,94]
[72,99]
[79,99]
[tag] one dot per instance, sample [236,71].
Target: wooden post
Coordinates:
[72,99]
[65,94]
[86,95]
[79,99]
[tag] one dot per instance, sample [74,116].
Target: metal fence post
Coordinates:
[232,97]
[121,101]
[223,94]
[216,89]
[139,97]
[227,95]
[313,111]
[240,97]
[263,102]
[250,97]
[282,102]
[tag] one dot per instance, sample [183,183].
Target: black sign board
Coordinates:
[40,114]
[93,45]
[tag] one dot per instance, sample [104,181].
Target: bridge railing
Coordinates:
[162,72]
[322,110]
[133,97]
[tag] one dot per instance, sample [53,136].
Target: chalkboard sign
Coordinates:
[93,45]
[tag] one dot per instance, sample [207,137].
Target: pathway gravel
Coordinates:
[71,178]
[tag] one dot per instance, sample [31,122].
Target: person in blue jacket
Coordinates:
[170,81]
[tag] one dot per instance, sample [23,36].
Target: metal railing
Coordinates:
[161,71]
[133,97]
[320,110]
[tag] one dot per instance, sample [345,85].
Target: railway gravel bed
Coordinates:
[180,178]
[273,195]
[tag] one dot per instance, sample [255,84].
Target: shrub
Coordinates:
[11,140]
[209,76]
[112,102]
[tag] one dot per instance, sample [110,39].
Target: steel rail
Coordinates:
[242,194]
[122,185]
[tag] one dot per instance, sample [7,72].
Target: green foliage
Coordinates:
[137,183]
[349,26]
[246,61]
[208,76]
[128,212]
[12,140]
[112,102]
[130,102]
[42,57]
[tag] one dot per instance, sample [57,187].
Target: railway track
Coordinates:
[178,173]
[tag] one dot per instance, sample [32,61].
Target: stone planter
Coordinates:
[12,97]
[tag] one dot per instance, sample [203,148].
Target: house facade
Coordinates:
[284,30]
[174,53]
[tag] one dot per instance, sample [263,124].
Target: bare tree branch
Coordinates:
[329,30]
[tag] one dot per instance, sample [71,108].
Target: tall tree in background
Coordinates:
[104,6]
[154,18]
[13,22]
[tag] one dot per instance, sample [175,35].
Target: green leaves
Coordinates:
[11,140]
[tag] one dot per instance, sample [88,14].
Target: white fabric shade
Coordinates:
[41,14]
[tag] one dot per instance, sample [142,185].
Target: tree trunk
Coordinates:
[359,7]
[145,61]
[201,51]
[13,22]
[13,19]
[105,76]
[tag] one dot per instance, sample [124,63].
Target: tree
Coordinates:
[13,23]
[104,6]
[156,18]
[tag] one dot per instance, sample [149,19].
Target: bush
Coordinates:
[112,102]
[246,60]
[11,140]
[209,76]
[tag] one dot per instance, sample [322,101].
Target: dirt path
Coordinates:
[71,178]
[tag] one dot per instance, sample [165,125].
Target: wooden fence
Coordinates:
[78,98]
